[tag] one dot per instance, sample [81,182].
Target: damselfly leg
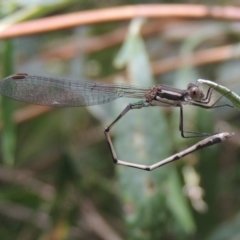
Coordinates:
[202,103]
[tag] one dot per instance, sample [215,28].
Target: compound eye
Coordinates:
[195,93]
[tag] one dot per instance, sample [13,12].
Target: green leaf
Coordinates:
[178,204]
[230,95]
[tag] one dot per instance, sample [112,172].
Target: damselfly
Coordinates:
[69,93]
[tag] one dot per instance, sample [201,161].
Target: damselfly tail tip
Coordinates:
[231,134]
[226,135]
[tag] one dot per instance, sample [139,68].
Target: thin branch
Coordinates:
[74,46]
[54,23]
[197,58]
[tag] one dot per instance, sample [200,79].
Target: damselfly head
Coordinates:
[195,93]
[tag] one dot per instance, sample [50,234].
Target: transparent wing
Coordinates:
[64,92]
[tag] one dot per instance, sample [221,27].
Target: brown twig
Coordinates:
[72,47]
[198,58]
[118,14]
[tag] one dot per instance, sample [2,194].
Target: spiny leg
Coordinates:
[210,106]
[201,105]
[136,105]
[181,127]
[208,96]
[203,102]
